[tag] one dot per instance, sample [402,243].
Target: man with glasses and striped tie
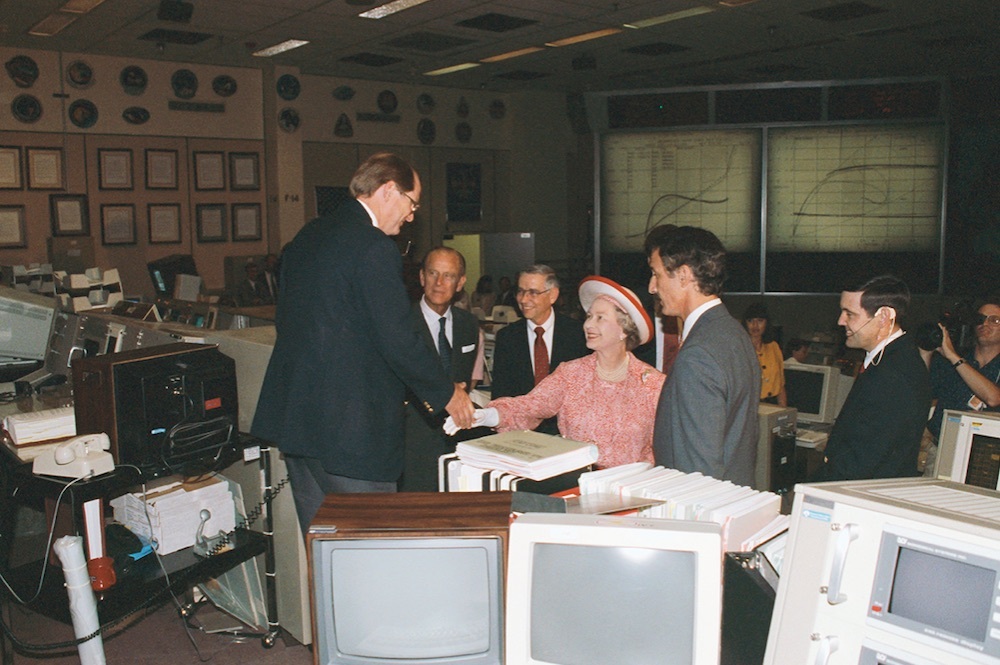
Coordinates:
[531,348]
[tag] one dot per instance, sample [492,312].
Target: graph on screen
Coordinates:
[854,189]
[708,179]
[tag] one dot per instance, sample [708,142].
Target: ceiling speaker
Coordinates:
[175,10]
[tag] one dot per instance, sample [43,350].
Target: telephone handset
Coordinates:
[79,457]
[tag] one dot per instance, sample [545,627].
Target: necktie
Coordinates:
[444,348]
[541,355]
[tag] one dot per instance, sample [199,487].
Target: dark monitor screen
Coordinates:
[805,391]
[164,272]
[984,462]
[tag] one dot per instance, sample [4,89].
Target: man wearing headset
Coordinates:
[877,433]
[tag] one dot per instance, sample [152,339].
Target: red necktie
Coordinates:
[541,355]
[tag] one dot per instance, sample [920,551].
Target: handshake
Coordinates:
[488,417]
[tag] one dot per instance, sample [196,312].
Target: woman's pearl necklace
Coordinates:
[613,375]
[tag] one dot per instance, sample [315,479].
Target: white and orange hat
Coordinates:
[595,285]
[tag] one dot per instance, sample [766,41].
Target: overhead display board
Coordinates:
[708,178]
[854,188]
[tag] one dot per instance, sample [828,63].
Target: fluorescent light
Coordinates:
[52,24]
[666,18]
[390,8]
[585,37]
[79,6]
[286,45]
[452,69]
[513,54]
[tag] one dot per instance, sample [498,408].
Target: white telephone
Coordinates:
[79,457]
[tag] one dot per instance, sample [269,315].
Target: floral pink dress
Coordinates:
[618,417]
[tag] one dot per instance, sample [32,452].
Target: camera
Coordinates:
[960,321]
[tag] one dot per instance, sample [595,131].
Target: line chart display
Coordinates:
[854,189]
[709,179]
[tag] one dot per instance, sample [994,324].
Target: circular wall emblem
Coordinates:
[426,131]
[288,87]
[83,113]
[185,83]
[133,80]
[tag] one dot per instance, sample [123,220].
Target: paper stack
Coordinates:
[748,517]
[174,512]
[529,454]
[34,426]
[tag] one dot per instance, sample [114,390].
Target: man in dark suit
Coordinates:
[517,368]
[333,395]
[706,419]
[453,334]
[877,433]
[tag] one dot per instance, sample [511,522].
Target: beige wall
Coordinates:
[523,155]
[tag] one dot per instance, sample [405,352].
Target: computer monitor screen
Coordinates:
[409,579]
[164,272]
[812,391]
[590,590]
[25,324]
[425,600]
[969,448]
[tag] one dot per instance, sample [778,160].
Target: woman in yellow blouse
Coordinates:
[772,367]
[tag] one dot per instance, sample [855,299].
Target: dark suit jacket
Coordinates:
[877,433]
[345,349]
[425,438]
[706,419]
[513,373]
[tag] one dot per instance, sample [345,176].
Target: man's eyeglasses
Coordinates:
[531,293]
[993,320]
[414,206]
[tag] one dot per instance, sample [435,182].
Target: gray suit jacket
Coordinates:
[706,419]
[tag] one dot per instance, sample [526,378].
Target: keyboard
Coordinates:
[808,438]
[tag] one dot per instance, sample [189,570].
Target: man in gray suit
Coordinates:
[453,334]
[706,419]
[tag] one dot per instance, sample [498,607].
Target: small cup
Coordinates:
[102,573]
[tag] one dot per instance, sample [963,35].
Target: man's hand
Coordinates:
[947,348]
[460,407]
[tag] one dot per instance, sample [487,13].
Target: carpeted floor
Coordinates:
[157,639]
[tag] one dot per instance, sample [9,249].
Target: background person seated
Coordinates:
[609,397]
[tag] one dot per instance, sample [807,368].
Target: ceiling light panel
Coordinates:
[281,47]
[585,37]
[80,6]
[390,8]
[452,69]
[52,24]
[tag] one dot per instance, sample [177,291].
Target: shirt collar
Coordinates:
[430,313]
[693,317]
[547,324]
[369,211]
[881,345]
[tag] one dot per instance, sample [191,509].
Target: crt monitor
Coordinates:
[812,391]
[593,590]
[969,448]
[25,324]
[164,272]
[413,578]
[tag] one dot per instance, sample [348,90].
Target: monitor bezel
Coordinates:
[828,398]
[703,539]
[324,631]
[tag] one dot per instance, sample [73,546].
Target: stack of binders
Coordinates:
[748,517]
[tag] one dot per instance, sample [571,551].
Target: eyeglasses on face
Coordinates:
[992,320]
[531,293]
[414,206]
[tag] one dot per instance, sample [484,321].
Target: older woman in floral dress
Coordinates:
[607,398]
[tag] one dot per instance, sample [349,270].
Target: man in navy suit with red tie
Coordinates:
[531,348]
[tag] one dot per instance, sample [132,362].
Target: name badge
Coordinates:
[468,348]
